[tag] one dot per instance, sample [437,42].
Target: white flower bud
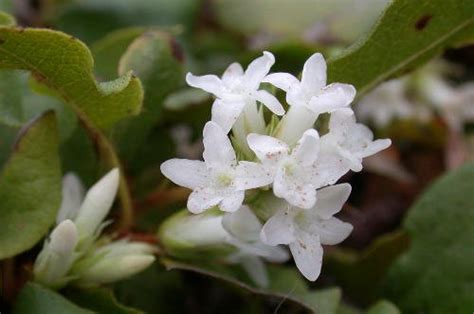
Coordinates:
[97,204]
[55,260]
[111,269]
[72,196]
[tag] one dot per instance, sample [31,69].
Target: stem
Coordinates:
[109,157]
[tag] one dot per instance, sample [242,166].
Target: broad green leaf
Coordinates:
[6,19]
[360,273]
[407,34]
[108,50]
[100,300]
[65,65]
[156,59]
[36,299]
[30,187]
[435,274]
[18,104]
[92,19]
[383,307]
[284,283]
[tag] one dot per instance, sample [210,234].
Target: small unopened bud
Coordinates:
[188,235]
[97,204]
[112,269]
[55,260]
[72,196]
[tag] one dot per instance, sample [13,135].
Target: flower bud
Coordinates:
[97,204]
[250,121]
[72,196]
[55,260]
[188,235]
[111,269]
[297,120]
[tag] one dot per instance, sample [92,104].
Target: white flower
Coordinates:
[219,180]
[460,108]
[346,144]
[309,98]
[292,169]
[388,102]
[237,89]
[97,204]
[244,229]
[304,230]
[57,256]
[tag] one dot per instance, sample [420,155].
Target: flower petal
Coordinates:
[294,190]
[251,175]
[333,231]
[232,202]
[332,97]
[307,149]
[308,255]
[218,150]
[331,199]
[329,168]
[281,80]
[313,77]
[270,101]
[278,229]
[225,113]
[258,69]
[72,197]
[256,269]
[267,148]
[376,146]
[242,224]
[187,173]
[209,83]
[233,71]
[202,199]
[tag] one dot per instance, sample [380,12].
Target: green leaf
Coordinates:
[64,65]
[30,187]
[408,34]
[108,50]
[435,275]
[35,299]
[383,307]
[155,58]
[100,300]
[360,273]
[284,283]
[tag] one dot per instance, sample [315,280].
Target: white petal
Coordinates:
[314,73]
[187,173]
[267,147]
[270,101]
[307,149]
[251,175]
[210,83]
[332,97]
[218,150]
[202,199]
[294,190]
[225,113]
[328,169]
[308,255]
[258,69]
[278,229]
[232,202]
[331,199]
[333,231]
[233,71]
[281,80]
[376,146]
[242,224]
[72,197]
[97,203]
[275,254]
[256,270]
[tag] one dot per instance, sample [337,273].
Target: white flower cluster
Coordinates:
[74,251]
[290,157]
